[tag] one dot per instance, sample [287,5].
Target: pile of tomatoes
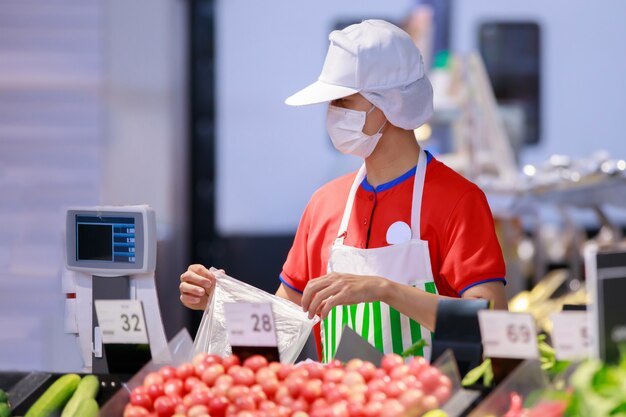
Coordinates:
[212,386]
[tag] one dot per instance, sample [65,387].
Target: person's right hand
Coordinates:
[196,285]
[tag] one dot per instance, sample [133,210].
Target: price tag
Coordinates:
[250,324]
[570,335]
[121,321]
[508,335]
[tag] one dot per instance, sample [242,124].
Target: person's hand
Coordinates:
[196,285]
[334,289]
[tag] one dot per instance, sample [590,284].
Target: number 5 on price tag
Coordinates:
[250,324]
[508,335]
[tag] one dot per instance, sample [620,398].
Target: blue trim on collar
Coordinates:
[382,187]
[482,282]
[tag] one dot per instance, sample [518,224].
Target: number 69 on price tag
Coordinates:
[250,324]
[508,335]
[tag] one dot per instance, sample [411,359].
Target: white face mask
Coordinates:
[345,128]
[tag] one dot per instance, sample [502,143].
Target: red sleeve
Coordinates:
[295,270]
[471,252]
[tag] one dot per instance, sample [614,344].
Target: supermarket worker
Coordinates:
[376,249]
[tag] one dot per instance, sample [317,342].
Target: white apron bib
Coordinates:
[407,263]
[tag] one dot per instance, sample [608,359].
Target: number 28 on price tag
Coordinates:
[250,324]
[508,335]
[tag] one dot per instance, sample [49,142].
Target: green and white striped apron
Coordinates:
[406,261]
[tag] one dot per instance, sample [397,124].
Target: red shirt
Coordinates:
[455,220]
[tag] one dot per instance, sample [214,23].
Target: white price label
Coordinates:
[508,335]
[570,335]
[250,324]
[121,321]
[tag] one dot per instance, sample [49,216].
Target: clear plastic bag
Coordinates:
[292,324]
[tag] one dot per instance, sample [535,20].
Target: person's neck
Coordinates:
[396,153]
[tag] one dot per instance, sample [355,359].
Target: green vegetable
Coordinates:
[87,408]
[55,397]
[5,410]
[414,349]
[3,397]
[87,389]
[483,371]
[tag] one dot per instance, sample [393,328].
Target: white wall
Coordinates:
[272,157]
[583,69]
[92,111]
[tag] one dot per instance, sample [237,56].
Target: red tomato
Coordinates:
[367,370]
[237,391]
[255,362]
[213,358]
[180,409]
[139,390]
[199,368]
[334,375]
[284,371]
[373,409]
[429,402]
[155,391]
[294,384]
[411,398]
[300,405]
[217,406]
[210,374]
[392,408]
[339,393]
[445,381]
[185,370]
[198,411]
[442,394]
[335,363]
[152,378]
[266,405]
[316,370]
[135,411]
[355,408]
[377,397]
[270,386]
[417,365]
[190,382]
[265,373]
[167,372]
[200,357]
[173,387]
[353,378]
[275,366]
[231,360]
[429,378]
[141,400]
[377,384]
[354,364]
[390,361]
[394,388]
[241,375]
[203,397]
[399,372]
[224,381]
[339,409]
[312,390]
[164,406]
[245,402]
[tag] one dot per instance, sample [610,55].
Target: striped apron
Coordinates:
[406,262]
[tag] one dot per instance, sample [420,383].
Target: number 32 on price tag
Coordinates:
[121,321]
[508,335]
[250,324]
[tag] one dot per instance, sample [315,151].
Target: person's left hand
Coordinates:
[334,289]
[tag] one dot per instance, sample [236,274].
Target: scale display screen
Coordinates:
[108,239]
[111,240]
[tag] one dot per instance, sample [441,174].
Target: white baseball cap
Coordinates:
[380,61]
